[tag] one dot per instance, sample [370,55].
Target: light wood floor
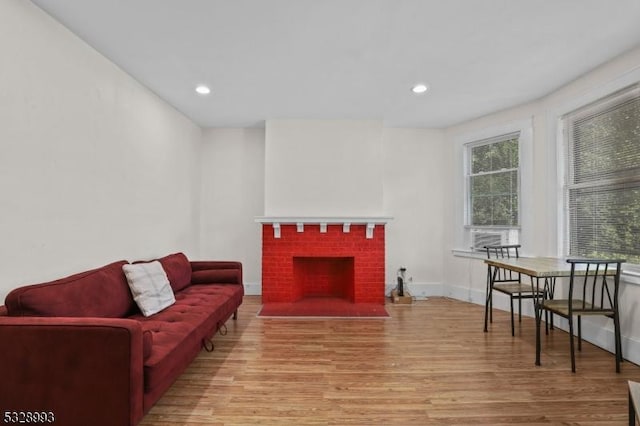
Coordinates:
[429,364]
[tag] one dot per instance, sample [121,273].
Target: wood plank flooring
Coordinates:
[429,364]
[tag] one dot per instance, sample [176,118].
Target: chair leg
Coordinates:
[579,333]
[520,308]
[491,308]
[546,322]
[486,311]
[513,327]
[487,299]
[573,357]
[616,326]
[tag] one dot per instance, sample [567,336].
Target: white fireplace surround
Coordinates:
[346,222]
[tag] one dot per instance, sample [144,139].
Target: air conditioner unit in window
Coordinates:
[484,237]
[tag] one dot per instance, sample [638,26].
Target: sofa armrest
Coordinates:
[222,272]
[84,371]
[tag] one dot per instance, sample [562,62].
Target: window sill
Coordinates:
[630,277]
[469,254]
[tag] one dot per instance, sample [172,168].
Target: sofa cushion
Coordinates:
[208,276]
[178,270]
[101,292]
[178,331]
[150,287]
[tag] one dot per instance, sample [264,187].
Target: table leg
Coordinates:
[538,314]
[487,303]
[551,293]
[546,314]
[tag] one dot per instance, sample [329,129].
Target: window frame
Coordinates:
[462,232]
[468,175]
[566,165]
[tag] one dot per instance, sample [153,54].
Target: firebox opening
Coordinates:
[324,277]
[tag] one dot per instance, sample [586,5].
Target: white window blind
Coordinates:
[602,194]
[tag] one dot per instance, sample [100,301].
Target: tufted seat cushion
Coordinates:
[178,331]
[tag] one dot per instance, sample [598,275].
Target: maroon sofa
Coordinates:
[79,349]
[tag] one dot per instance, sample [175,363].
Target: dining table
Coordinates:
[543,272]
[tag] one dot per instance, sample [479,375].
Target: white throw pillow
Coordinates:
[149,286]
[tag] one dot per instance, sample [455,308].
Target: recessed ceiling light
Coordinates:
[419,88]
[202,89]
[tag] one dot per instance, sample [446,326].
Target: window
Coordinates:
[602,191]
[493,190]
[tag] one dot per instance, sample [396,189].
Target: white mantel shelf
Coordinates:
[323,221]
[331,220]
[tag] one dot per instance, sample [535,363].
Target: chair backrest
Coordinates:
[504,252]
[595,283]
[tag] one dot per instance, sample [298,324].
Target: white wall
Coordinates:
[94,167]
[413,194]
[232,197]
[323,168]
[410,173]
[464,276]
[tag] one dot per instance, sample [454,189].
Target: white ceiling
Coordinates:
[352,59]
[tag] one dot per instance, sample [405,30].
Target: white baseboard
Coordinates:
[420,291]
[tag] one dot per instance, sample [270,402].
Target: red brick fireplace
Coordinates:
[335,258]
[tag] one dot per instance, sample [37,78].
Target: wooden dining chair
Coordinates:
[506,282]
[593,290]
